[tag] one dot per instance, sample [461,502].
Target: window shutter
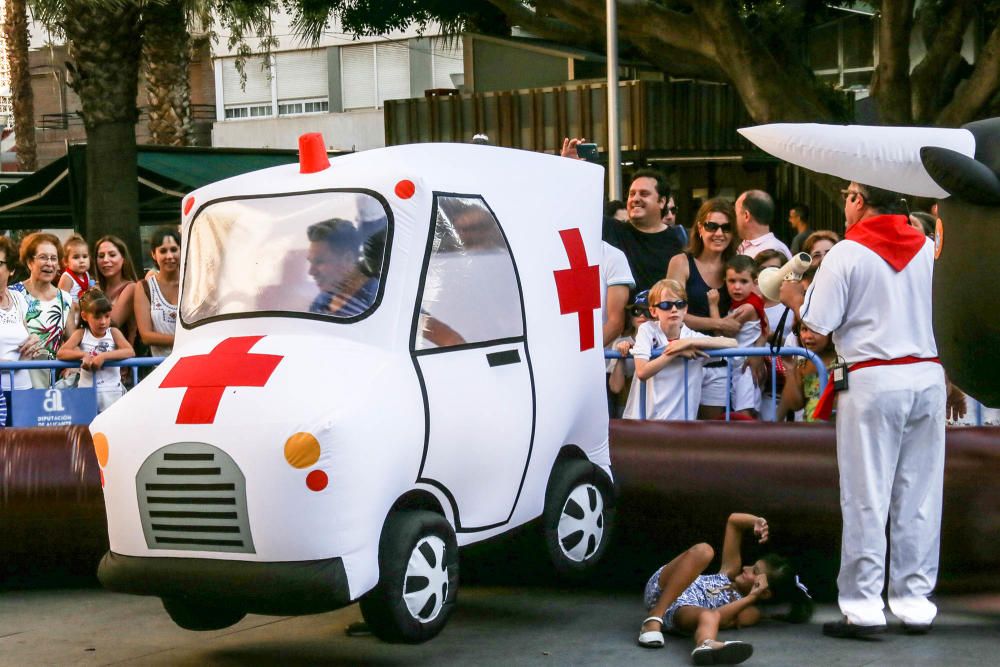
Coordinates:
[258,88]
[358,81]
[447,60]
[393,63]
[302,74]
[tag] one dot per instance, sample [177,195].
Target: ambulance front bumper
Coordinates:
[279,589]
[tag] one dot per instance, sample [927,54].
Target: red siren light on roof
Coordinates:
[312,153]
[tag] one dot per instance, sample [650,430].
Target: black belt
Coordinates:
[716,364]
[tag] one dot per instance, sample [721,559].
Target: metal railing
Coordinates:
[728,355]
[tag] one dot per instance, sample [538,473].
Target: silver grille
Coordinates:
[192,496]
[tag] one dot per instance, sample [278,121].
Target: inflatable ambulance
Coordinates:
[377,361]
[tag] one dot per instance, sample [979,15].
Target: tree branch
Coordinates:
[975,94]
[520,15]
[891,83]
[942,29]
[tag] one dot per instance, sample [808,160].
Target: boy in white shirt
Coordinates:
[665,395]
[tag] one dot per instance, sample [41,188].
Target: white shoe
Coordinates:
[651,638]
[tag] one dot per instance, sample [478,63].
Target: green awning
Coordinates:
[54,197]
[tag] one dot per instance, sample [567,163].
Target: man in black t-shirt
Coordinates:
[647,242]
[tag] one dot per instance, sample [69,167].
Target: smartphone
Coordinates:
[587,151]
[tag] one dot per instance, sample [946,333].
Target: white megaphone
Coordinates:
[770,279]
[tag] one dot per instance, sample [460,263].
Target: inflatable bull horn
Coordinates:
[770,279]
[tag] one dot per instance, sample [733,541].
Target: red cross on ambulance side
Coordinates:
[579,286]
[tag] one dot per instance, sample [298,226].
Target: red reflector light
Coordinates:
[317,480]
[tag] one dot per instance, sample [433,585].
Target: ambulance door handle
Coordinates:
[503,358]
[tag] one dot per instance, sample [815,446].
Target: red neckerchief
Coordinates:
[889,237]
[757,302]
[83,282]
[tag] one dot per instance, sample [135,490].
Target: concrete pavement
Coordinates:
[491,626]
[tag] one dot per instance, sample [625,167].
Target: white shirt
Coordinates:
[163,315]
[107,377]
[751,247]
[873,311]
[665,390]
[12,334]
[614,271]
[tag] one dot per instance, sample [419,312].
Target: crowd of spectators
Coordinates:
[56,304]
[710,290]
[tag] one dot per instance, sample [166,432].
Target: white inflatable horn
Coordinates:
[770,279]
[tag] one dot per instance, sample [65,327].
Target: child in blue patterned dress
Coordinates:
[678,597]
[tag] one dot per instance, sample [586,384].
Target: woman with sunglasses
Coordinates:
[701,268]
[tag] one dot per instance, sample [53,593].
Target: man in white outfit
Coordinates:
[873,295]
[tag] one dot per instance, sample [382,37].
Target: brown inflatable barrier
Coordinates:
[51,505]
[679,481]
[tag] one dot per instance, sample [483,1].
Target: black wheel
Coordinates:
[578,518]
[194,616]
[418,578]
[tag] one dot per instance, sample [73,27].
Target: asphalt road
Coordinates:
[491,626]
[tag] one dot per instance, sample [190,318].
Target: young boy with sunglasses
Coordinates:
[665,391]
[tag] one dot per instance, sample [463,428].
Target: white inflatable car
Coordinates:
[376,362]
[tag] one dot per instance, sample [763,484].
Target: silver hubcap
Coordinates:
[425,587]
[581,523]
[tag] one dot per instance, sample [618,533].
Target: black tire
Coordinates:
[199,617]
[412,601]
[578,518]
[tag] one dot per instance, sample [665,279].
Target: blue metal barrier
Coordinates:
[135,363]
[728,355]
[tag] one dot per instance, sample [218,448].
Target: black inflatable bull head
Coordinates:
[961,168]
[966,310]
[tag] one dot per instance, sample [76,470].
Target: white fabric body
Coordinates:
[614,271]
[753,247]
[886,157]
[107,377]
[163,314]
[873,311]
[890,428]
[665,390]
[12,334]
[456,428]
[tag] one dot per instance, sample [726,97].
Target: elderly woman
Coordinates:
[156,301]
[50,313]
[818,244]
[701,268]
[116,277]
[15,342]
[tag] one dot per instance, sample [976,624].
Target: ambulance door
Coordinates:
[468,347]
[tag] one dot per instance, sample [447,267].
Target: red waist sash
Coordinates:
[824,407]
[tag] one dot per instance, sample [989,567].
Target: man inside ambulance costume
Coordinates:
[873,296]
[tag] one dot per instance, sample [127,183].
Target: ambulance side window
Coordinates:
[470,292]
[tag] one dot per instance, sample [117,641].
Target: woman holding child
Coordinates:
[701,268]
[116,278]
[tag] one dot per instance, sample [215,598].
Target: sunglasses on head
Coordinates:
[680,304]
[712,227]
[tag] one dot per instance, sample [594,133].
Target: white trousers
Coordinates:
[890,453]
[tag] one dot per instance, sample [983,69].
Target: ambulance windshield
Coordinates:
[317,254]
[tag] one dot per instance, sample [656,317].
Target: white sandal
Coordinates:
[651,638]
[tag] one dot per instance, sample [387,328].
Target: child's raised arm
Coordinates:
[737,524]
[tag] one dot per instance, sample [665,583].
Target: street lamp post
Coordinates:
[614,143]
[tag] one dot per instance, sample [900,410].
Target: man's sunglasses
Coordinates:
[680,304]
[712,227]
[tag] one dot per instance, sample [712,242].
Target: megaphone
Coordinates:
[770,279]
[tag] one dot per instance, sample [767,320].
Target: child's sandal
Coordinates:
[651,638]
[730,653]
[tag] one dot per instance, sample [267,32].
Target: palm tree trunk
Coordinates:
[15,29]
[166,54]
[105,41]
